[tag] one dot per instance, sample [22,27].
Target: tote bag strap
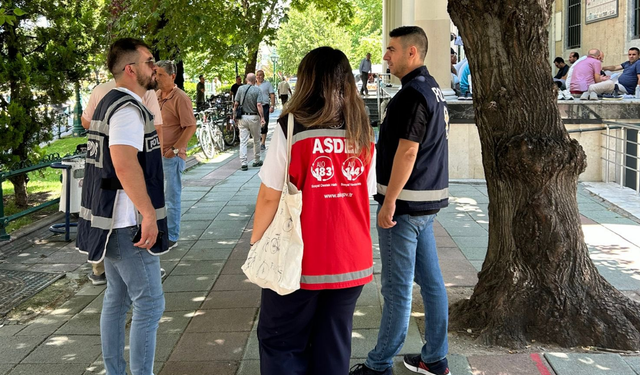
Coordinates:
[289,142]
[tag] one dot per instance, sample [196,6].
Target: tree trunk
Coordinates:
[537,281]
[20,188]
[253,61]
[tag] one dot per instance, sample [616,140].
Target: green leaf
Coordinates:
[19,12]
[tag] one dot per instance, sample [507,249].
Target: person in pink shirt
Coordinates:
[587,80]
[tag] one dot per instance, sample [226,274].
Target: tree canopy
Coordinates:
[45,47]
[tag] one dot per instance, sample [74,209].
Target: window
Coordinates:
[574,18]
[636,19]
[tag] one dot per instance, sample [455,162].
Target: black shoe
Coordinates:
[172,244]
[244,167]
[97,279]
[414,363]
[361,369]
[257,164]
[263,147]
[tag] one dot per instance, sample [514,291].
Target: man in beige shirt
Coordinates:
[150,101]
[179,125]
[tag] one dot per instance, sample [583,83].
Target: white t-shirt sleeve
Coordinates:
[272,171]
[150,100]
[372,185]
[126,128]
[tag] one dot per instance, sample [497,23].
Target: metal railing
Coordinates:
[617,157]
[23,168]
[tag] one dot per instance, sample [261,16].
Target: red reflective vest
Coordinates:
[335,209]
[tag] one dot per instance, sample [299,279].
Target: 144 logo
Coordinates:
[352,168]
[322,168]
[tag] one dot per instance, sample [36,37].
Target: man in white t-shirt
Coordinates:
[284,90]
[150,101]
[267,92]
[123,218]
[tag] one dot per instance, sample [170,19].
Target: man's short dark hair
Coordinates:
[120,50]
[453,52]
[574,54]
[238,77]
[559,60]
[412,36]
[200,76]
[635,49]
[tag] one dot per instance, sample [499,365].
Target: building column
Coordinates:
[395,13]
[435,21]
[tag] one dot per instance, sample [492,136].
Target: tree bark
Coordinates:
[537,281]
[20,190]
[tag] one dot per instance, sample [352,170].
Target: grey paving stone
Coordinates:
[232,299]
[66,349]
[74,305]
[49,369]
[174,322]
[234,282]
[508,364]
[252,351]
[198,267]
[465,242]
[60,256]
[241,251]
[475,253]
[97,367]
[5,368]
[459,365]
[619,275]
[369,296]
[91,290]
[218,320]
[81,324]
[363,340]
[14,349]
[191,283]
[249,367]
[201,368]
[184,300]
[367,317]
[586,363]
[95,307]
[190,225]
[446,241]
[168,265]
[467,229]
[190,234]
[477,264]
[210,244]
[198,217]
[44,325]
[175,254]
[210,346]
[211,254]
[55,267]
[633,362]
[216,231]
[8,330]
[458,273]
[450,253]
[164,346]
[233,267]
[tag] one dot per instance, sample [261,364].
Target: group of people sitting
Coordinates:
[587,79]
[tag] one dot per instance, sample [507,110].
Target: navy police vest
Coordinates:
[428,186]
[101,185]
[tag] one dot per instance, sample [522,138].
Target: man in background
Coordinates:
[267,107]
[200,94]
[250,99]
[179,125]
[365,71]
[284,90]
[235,86]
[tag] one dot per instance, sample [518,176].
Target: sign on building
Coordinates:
[598,10]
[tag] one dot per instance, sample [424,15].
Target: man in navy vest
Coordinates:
[123,218]
[413,185]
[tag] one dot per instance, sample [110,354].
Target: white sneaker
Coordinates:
[567,94]
[560,95]
[584,96]
[593,96]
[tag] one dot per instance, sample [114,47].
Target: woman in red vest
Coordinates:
[309,331]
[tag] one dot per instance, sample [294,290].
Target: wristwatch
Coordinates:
[175,150]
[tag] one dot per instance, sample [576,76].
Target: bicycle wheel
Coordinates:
[218,139]
[228,134]
[206,143]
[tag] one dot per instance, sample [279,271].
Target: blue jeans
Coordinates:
[173,168]
[133,278]
[408,252]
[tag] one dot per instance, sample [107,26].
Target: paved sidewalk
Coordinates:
[211,309]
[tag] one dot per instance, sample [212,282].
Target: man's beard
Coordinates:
[147,82]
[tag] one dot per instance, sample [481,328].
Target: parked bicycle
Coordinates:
[208,133]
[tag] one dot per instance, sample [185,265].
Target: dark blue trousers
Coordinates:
[307,332]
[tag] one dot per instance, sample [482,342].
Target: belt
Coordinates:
[249,114]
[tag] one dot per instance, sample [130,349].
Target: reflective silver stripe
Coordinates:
[100,222]
[343,277]
[319,133]
[104,223]
[418,195]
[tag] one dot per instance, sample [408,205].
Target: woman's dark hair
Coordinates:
[326,96]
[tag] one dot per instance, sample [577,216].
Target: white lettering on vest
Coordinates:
[329,145]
